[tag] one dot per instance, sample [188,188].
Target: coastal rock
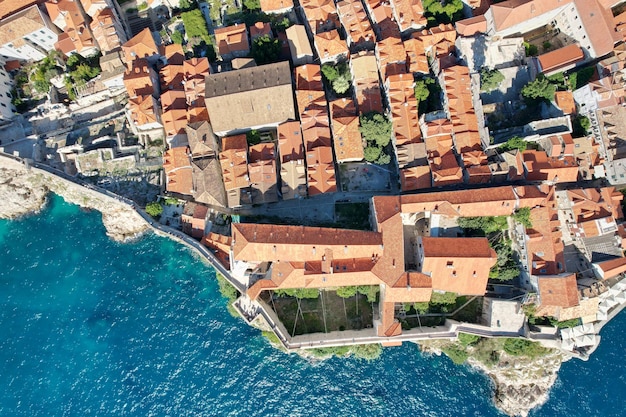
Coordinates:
[24,191]
[522,384]
[17,195]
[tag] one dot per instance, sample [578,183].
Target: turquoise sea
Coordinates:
[90,327]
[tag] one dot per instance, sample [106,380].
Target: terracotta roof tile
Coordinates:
[558,290]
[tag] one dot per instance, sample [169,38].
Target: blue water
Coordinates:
[92,327]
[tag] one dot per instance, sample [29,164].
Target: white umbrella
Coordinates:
[567,345]
[621,297]
[601,315]
[588,328]
[566,334]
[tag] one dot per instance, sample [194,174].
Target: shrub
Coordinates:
[346,292]
[372,153]
[384,159]
[514,143]
[265,50]
[488,224]
[523,216]
[253,137]
[580,126]
[341,85]
[369,291]
[490,79]
[467,339]
[142,6]
[177,37]
[421,308]
[299,293]
[443,298]
[531,50]
[330,72]
[368,352]
[580,78]
[546,46]
[154,209]
[457,354]
[443,11]
[524,347]
[540,89]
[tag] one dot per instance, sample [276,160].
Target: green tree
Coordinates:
[252,4]
[421,307]
[443,298]
[299,293]
[341,85]
[540,89]
[383,159]
[375,128]
[369,291]
[490,79]
[522,216]
[514,143]
[580,126]
[580,78]
[346,292]
[154,209]
[253,137]
[546,46]
[195,25]
[177,37]
[443,11]
[330,72]
[184,5]
[488,224]
[531,50]
[421,89]
[265,50]
[281,25]
[84,72]
[372,153]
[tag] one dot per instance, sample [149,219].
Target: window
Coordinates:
[450,264]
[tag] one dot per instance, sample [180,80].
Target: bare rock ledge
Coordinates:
[23,192]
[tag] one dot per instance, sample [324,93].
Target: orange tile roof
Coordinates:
[104,30]
[142,110]
[365,82]
[178,171]
[390,51]
[137,79]
[409,14]
[232,39]
[459,265]
[415,178]
[290,145]
[445,170]
[416,56]
[355,22]
[320,14]
[173,100]
[456,84]
[565,101]
[558,291]
[173,53]
[595,209]
[308,77]
[269,242]
[599,24]
[262,170]
[510,13]
[329,45]
[497,201]
[543,244]
[320,171]
[472,26]
[260,29]
[234,162]
[403,108]
[268,6]
[561,58]
[197,112]
[316,136]
[540,167]
[141,45]
[68,17]
[347,139]
[172,77]
[10,7]
[613,267]
[174,121]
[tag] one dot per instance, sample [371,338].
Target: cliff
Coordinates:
[521,383]
[24,191]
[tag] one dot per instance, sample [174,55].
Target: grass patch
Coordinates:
[229,292]
[524,347]
[456,353]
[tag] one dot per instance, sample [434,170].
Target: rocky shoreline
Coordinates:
[520,383]
[24,192]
